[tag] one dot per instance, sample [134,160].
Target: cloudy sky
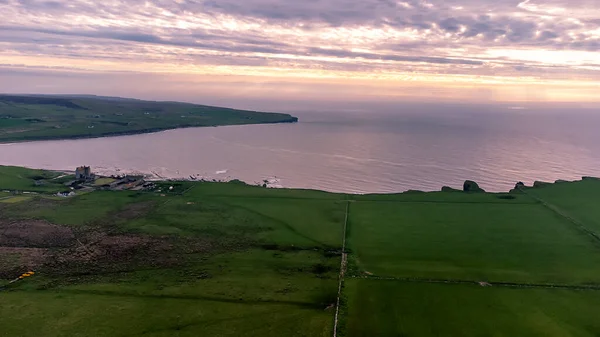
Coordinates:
[318,50]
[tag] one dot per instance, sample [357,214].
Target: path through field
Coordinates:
[342,271]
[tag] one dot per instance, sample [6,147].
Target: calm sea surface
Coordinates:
[356,152]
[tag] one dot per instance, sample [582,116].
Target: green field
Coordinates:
[500,242]
[19,179]
[123,263]
[579,200]
[55,117]
[390,308]
[228,259]
[15,199]
[104,181]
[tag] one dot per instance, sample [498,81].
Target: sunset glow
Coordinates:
[533,50]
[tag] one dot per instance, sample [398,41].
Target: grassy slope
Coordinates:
[268,261]
[36,118]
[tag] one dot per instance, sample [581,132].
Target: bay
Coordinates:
[383,151]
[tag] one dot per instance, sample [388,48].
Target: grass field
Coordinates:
[478,242]
[21,179]
[12,200]
[251,293]
[172,265]
[227,259]
[104,181]
[391,308]
[47,117]
[578,199]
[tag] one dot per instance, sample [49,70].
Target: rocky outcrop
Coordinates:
[471,186]
[540,183]
[518,187]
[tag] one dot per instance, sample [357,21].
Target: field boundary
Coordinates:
[448,202]
[482,284]
[342,272]
[559,212]
[508,203]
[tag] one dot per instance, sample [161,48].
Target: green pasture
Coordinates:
[23,179]
[391,308]
[579,200]
[479,242]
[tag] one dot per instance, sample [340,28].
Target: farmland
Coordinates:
[228,259]
[31,117]
[391,308]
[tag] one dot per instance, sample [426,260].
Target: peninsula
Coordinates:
[42,117]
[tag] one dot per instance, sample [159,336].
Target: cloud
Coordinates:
[451,25]
[547,35]
[391,57]
[320,37]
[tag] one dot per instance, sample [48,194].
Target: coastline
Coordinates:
[291,120]
[469,186]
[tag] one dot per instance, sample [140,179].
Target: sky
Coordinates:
[244,52]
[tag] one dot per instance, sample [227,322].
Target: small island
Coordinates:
[41,117]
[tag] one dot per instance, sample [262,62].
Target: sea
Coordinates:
[405,147]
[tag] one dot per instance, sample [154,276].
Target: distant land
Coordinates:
[43,117]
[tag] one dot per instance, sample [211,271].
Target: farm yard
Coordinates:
[228,259]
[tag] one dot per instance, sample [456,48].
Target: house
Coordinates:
[83,173]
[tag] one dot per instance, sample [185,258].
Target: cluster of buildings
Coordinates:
[84,176]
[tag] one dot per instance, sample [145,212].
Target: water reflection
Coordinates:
[348,153]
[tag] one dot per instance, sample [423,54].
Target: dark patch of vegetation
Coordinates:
[328,253]
[321,268]
[39,100]
[283,248]
[325,298]
[237,182]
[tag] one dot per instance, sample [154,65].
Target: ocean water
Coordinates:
[390,150]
